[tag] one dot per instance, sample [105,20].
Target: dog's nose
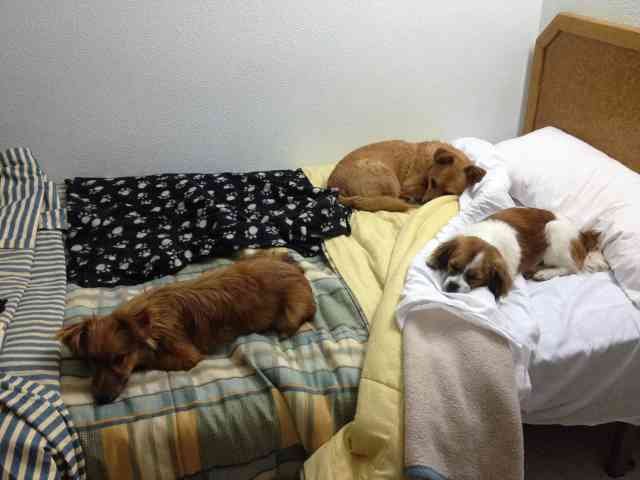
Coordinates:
[451,287]
[103,398]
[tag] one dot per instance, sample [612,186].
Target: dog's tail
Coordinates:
[594,260]
[374,204]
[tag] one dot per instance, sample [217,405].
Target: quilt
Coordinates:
[256,408]
[374,261]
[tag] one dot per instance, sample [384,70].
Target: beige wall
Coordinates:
[622,11]
[127,87]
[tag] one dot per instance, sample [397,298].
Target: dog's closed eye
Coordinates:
[118,359]
[454,268]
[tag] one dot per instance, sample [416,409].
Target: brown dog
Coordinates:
[173,326]
[388,175]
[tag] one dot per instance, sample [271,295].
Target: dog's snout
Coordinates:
[102,397]
[107,385]
[451,287]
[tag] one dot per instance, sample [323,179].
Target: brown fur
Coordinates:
[457,253]
[588,241]
[393,174]
[173,326]
[530,225]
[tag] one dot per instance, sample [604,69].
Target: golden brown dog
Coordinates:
[388,175]
[173,326]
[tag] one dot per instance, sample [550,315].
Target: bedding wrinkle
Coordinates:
[585,367]
[373,262]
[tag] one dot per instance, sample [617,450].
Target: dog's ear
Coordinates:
[590,239]
[75,337]
[140,325]
[439,259]
[443,156]
[474,174]
[499,279]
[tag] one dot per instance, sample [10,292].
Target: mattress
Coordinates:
[585,368]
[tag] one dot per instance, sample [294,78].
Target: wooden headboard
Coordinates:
[585,80]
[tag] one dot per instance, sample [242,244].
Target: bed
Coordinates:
[585,80]
[602,109]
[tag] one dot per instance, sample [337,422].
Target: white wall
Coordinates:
[620,11]
[140,86]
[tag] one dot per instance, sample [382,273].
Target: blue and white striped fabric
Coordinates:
[35,433]
[22,188]
[37,438]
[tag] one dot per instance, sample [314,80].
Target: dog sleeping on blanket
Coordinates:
[395,175]
[172,327]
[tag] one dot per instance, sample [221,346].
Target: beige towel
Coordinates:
[462,416]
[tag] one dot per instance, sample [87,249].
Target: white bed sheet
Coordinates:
[585,369]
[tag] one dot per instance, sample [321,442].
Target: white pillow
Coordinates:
[553,170]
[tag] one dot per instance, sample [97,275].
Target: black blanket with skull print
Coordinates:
[128,230]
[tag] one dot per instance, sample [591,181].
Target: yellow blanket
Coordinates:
[373,261]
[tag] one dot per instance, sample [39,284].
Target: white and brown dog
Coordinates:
[530,241]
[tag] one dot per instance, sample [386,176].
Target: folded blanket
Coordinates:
[462,411]
[462,416]
[128,230]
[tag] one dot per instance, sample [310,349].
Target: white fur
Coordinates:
[560,233]
[503,237]
[595,262]
[549,273]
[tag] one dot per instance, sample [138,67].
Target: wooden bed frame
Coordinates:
[585,80]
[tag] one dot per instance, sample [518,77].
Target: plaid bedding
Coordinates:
[37,439]
[255,409]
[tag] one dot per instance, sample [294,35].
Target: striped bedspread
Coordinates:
[255,409]
[37,438]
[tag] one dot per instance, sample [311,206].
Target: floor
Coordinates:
[575,453]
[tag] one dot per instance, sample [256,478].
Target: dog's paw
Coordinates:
[548,274]
[540,276]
